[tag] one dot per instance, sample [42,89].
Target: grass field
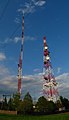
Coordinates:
[47,117]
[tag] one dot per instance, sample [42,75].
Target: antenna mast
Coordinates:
[49,85]
[20,59]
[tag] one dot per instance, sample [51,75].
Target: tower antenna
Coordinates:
[21,58]
[49,84]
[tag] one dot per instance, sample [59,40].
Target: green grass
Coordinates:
[45,117]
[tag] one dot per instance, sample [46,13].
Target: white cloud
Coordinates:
[31,38]
[36,70]
[17,39]
[6,41]
[39,2]
[26,38]
[63,84]
[31,83]
[31,7]
[35,83]
[17,20]
[33,79]
[58,70]
[3,70]
[2,56]
[28,9]
[5,76]
[9,81]
[3,42]
[64,76]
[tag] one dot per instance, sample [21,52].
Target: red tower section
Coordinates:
[49,84]
[20,59]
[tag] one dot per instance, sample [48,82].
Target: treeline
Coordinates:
[27,106]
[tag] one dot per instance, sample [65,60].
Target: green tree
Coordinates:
[65,102]
[26,106]
[51,107]
[0,105]
[28,97]
[59,105]
[16,101]
[5,105]
[10,104]
[42,105]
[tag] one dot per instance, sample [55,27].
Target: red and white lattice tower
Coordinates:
[49,84]
[20,59]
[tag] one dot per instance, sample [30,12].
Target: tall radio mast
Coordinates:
[20,59]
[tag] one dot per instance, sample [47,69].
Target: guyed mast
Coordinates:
[20,59]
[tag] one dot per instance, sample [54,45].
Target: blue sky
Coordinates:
[48,18]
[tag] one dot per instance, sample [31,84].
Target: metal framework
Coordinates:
[20,59]
[49,84]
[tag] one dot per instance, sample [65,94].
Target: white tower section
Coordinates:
[49,84]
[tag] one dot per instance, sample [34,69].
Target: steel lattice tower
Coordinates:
[49,84]
[20,59]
